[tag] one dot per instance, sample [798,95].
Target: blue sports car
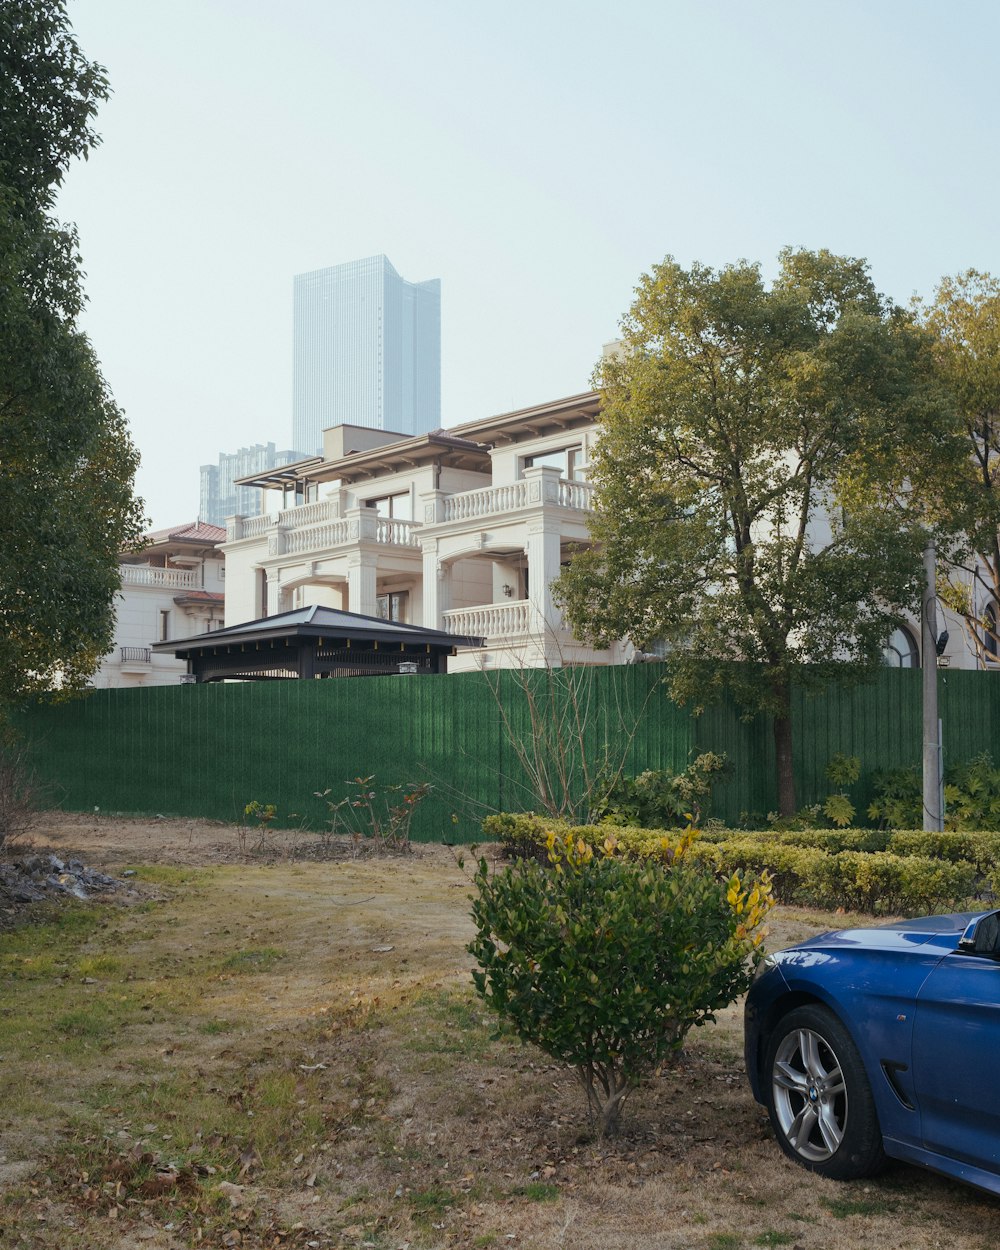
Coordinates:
[878,1042]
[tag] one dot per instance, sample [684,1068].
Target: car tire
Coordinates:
[819,1097]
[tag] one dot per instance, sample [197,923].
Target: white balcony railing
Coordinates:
[495,500]
[317,525]
[576,495]
[489,501]
[254,526]
[319,537]
[491,621]
[388,532]
[166,579]
[396,533]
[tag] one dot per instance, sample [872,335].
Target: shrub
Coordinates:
[843,771]
[835,840]
[887,884]
[524,835]
[792,869]
[971,797]
[659,799]
[874,881]
[606,964]
[972,794]
[848,868]
[365,814]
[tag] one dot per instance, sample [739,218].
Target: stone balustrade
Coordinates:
[490,620]
[315,526]
[166,579]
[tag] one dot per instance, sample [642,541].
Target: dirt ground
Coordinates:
[308,1030]
[107,841]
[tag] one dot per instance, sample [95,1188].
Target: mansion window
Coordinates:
[391,607]
[568,460]
[901,649]
[398,506]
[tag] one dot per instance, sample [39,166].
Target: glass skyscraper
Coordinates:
[221,497]
[367,351]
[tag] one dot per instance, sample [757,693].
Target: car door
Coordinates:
[956,1046]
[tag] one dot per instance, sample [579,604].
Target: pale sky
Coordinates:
[536,157]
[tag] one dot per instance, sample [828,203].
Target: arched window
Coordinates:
[901,649]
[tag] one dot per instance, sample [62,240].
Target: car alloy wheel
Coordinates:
[810,1096]
[819,1097]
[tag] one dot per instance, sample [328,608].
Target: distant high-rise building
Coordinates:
[220,498]
[367,351]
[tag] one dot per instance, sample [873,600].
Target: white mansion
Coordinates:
[461,530]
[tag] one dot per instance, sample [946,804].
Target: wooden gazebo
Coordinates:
[315,642]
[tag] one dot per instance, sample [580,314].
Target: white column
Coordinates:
[275,597]
[361,584]
[543,546]
[436,588]
[543,569]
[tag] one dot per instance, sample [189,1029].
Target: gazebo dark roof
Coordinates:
[315,642]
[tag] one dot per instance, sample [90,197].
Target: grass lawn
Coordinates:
[290,1054]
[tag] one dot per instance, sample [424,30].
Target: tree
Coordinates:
[753,509]
[67,462]
[965,323]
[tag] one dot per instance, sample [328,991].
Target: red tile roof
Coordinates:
[192,532]
[200,596]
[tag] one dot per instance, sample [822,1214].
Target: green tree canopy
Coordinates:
[964,320]
[66,459]
[753,503]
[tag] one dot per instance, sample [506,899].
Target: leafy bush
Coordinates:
[843,771]
[365,814]
[982,849]
[887,884]
[857,869]
[835,840]
[898,802]
[792,869]
[876,881]
[523,835]
[971,796]
[606,964]
[659,799]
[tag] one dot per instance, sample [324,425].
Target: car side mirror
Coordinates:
[982,937]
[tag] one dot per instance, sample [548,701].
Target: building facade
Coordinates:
[366,350]
[220,497]
[172,588]
[462,531]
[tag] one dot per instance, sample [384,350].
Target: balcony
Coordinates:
[493,501]
[160,579]
[135,655]
[491,621]
[319,527]
[135,660]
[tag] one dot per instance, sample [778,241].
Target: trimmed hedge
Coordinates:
[908,873]
[522,836]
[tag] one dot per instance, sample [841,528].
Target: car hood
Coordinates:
[942,932]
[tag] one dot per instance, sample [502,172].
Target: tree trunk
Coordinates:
[783,753]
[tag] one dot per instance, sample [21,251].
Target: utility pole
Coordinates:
[933,805]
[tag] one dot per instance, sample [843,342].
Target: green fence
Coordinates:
[207,750]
